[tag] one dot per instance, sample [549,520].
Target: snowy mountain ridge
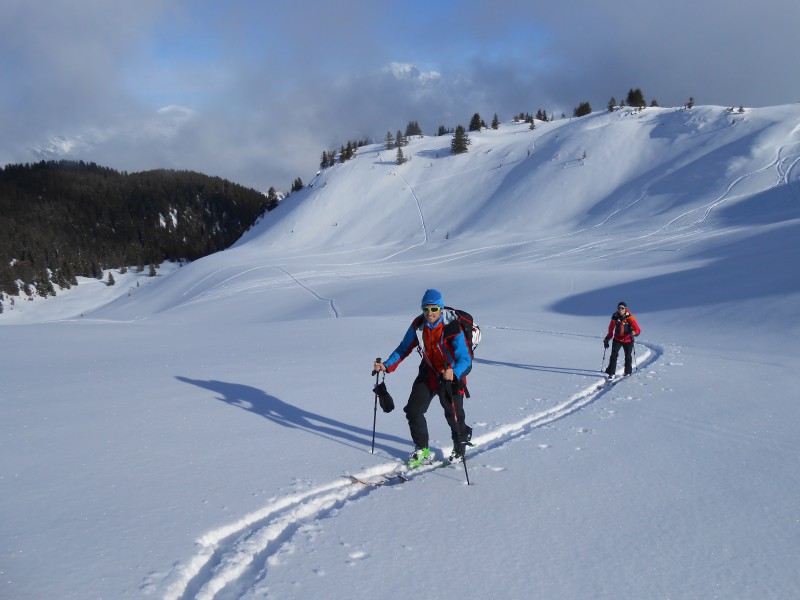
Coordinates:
[536,181]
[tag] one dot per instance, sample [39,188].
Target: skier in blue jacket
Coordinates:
[445,363]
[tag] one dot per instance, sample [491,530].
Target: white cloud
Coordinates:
[138,86]
[406,71]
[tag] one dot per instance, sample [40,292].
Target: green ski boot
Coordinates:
[419,457]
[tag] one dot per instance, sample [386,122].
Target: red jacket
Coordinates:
[441,345]
[623,327]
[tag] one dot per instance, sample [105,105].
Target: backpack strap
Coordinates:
[450,328]
[419,323]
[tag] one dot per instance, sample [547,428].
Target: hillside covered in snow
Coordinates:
[189,435]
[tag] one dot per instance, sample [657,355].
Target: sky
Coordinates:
[255,91]
[189,435]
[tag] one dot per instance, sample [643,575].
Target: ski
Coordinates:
[614,380]
[401,474]
[378,480]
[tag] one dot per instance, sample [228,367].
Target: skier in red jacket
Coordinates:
[623,329]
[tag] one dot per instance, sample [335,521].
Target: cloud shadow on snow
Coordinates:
[273,409]
[737,271]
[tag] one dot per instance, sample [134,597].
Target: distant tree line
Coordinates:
[460,137]
[634,99]
[63,219]
[460,141]
[345,153]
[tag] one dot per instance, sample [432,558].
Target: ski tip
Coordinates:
[378,480]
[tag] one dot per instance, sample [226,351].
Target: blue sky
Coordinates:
[254,91]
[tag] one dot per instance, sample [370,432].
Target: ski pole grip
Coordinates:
[377,360]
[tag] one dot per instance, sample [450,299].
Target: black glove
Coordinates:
[605,343]
[384,398]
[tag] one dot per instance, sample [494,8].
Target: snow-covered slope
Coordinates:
[188,437]
[667,165]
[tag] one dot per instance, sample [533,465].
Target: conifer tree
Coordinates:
[400,158]
[97,270]
[475,123]
[389,139]
[272,198]
[413,128]
[583,109]
[635,98]
[495,122]
[461,141]
[8,283]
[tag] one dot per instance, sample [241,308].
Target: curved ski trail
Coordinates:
[234,558]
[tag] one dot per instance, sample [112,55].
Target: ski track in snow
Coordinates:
[227,288]
[312,292]
[237,557]
[233,559]
[421,218]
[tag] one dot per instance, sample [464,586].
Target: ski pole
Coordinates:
[376,372]
[603,364]
[635,362]
[461,446]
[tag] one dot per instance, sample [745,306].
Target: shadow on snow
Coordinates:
[273,409]
[545,368]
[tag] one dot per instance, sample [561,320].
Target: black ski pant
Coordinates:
[420,399]
[612,362]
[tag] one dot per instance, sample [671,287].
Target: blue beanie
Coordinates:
[432,298]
